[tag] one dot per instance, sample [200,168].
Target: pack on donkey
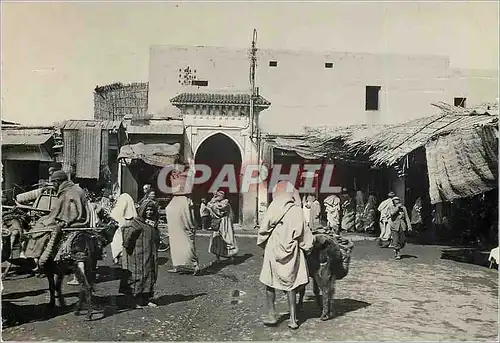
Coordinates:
[55,253]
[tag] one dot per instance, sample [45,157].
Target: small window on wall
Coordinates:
[460,102]
[273,63]
[199,83]
[372,98]
[328,65]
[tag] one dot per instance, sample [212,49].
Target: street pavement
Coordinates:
[419,298]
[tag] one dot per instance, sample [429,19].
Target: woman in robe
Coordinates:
[333,211]
[385,231]
[315,220]
[123,211]
[285,240]
[348,214]
[140,256]
[223,241]
[370,214]
[181,234]
[416,215]
[360,208]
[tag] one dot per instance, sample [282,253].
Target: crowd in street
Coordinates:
[286,233]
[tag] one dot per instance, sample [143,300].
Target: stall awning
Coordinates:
[160,155]
[463,164]
[24,139]
[157,127]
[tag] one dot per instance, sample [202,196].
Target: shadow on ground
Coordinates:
[476,256]
[310,309]
[108,306]
[215,268]
[108,273]
[14,314]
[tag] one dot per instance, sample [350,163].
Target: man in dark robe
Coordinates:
[140,256]
[71,210]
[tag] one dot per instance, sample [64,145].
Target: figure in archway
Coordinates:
[223,241]
[222,155]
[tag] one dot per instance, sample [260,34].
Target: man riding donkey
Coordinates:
[70,211]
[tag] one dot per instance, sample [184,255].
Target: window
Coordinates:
[460,102]
[199,83]
[273,63]
[328,65]
[372,101]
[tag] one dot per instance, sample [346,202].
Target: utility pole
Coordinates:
[255,132]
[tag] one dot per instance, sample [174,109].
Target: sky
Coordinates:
[54,54]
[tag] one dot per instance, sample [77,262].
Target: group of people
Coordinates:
[341,214]
[136,242]
[285,234]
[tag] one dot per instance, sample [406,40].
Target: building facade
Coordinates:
[318,88]
[303,88]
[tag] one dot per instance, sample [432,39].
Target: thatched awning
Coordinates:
[160,155]
[463,164]
[389,145]
[319,143]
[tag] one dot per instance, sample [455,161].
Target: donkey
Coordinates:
[327,263]
[78,253]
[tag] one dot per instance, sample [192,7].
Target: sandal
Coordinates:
[73,282]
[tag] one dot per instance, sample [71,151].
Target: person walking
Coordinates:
[182,229]
[385,232]
[140,256]
[286,240]
[204,215]
[399,224]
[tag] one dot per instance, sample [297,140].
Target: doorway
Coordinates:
[217,151]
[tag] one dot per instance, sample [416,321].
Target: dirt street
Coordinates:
[422,297]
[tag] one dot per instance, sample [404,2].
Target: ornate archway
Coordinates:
[216,151]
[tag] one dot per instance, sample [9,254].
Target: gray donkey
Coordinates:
[327,263]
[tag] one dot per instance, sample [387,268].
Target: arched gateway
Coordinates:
[218,130]
[216,151]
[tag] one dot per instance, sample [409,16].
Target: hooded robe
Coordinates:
[140,253]
[70,210]
[284,237]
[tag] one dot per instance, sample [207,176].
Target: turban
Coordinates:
[59,175]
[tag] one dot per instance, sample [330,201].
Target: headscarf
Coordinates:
[124,209]
[148,203]
[59,175]
[332,203]
[285,196]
